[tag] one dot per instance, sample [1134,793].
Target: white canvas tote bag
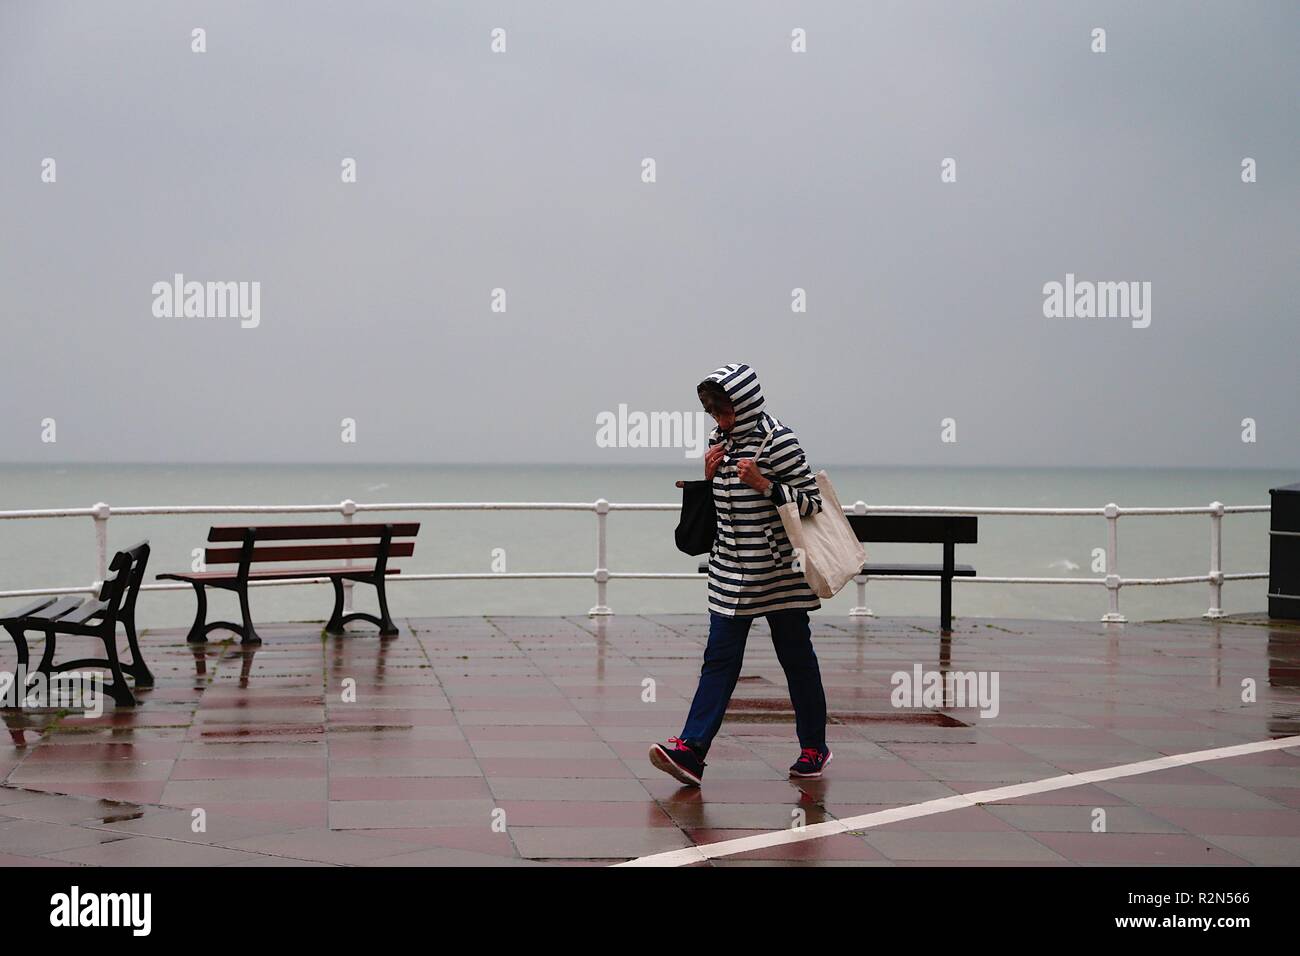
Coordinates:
[830,552]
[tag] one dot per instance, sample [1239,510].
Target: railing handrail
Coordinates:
[100,512]
[856,508]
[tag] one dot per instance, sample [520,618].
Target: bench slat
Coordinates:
[915,529]
[275,574]
[303,532]
[56,610]
[310,552]
[27,610]
[84,613]
[903,570]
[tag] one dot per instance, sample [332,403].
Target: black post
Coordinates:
[386,626]
[945,596]
[1284,552]
[335,624]
[198,630]
[248,632]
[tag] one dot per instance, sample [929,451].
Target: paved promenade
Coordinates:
[522,741]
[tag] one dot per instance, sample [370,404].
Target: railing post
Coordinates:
[602,572]
[1112,565]
[102,511]
[349,508]
[860,508]
[861,610]
[1216,561]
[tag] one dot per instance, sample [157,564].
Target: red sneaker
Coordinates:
[811,762]
[679,759]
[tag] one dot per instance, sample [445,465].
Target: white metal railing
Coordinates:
[602,575]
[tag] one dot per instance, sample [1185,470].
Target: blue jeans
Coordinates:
[792,638]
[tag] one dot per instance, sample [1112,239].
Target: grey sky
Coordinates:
[775,170]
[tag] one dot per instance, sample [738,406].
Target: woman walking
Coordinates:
[755,464]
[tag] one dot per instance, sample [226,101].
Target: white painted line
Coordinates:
[697,854]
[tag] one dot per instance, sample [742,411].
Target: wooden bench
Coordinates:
[252,555]
[948,530]
[90,617]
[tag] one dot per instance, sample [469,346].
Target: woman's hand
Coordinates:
[712,459]
[748,472]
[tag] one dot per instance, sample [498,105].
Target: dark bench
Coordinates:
[252,555]
[90,617]
[948,530]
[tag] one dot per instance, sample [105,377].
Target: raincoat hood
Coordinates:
[740,382]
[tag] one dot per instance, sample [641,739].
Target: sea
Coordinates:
[60,552]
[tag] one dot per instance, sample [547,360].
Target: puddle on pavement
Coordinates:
[775,711]
[291,731]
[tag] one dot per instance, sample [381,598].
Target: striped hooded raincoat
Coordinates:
[750,566]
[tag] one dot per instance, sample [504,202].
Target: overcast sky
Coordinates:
[775,170]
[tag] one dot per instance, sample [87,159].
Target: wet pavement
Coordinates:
[522,741]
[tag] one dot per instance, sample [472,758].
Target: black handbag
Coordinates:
[699,522]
